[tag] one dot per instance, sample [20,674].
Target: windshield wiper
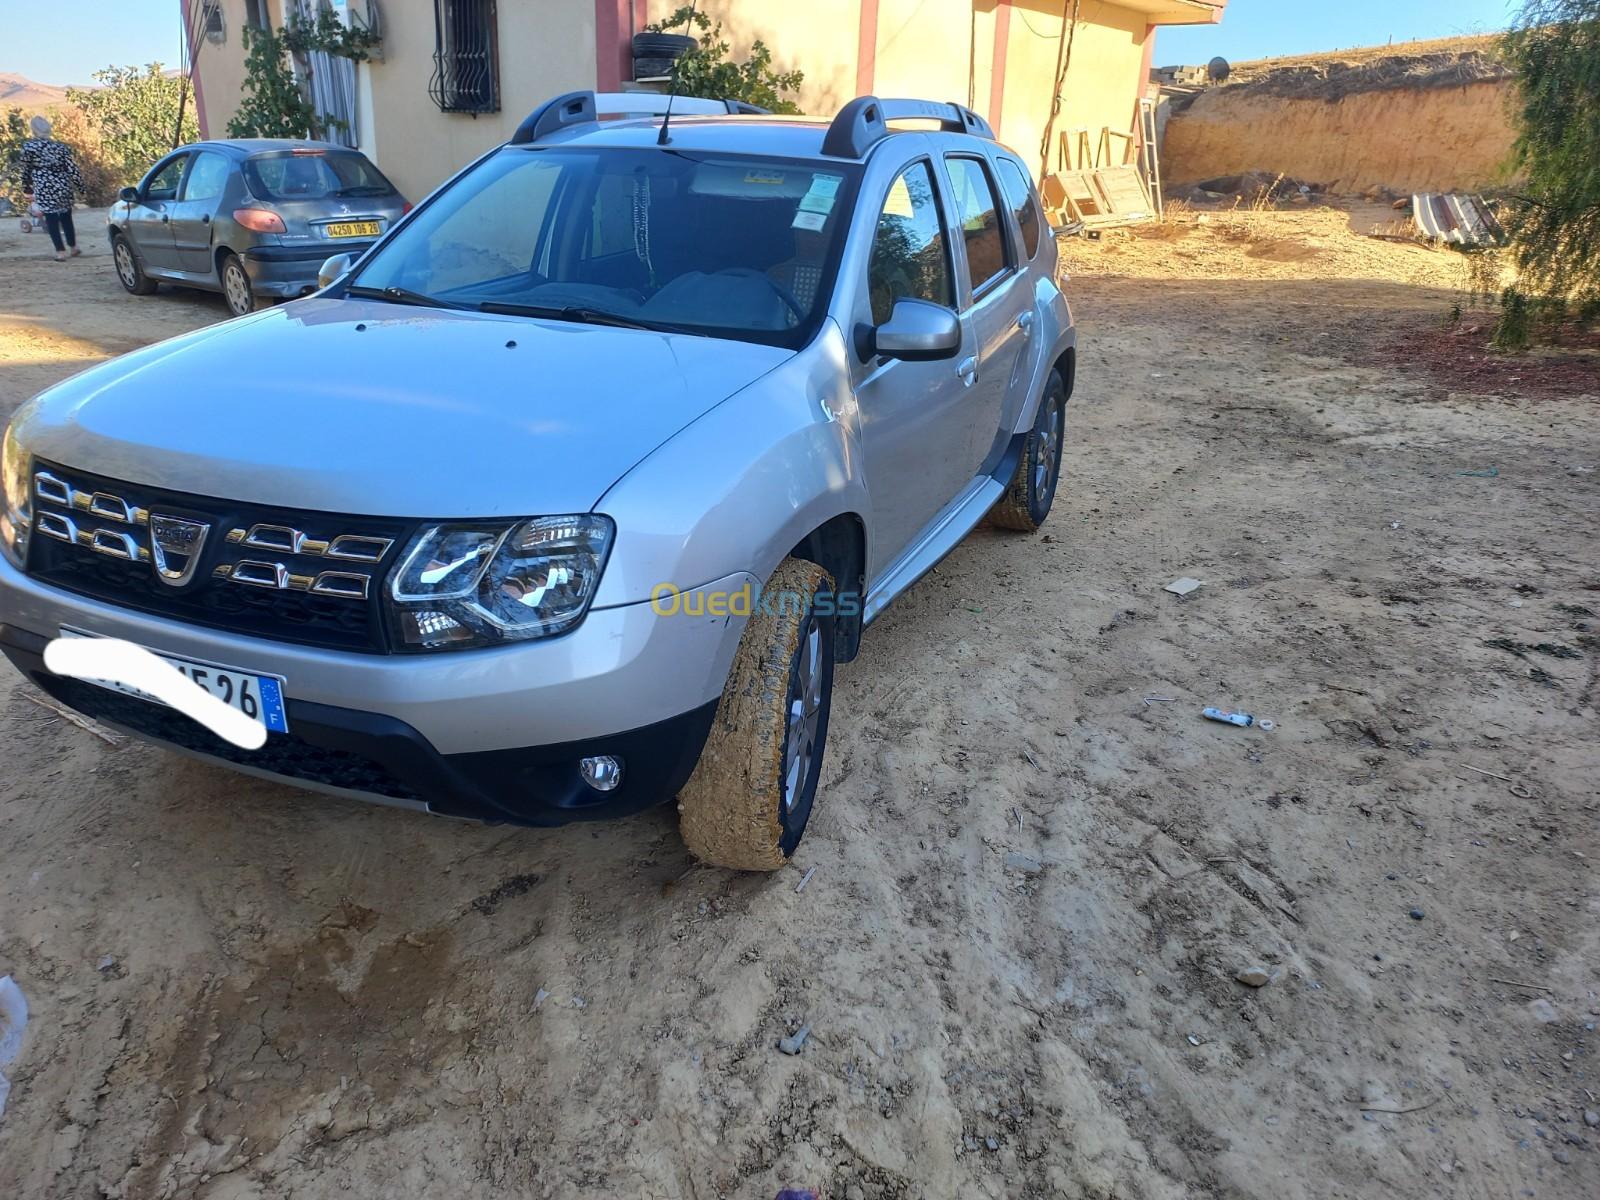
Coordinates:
[400,295]
[576,312]
[361,189]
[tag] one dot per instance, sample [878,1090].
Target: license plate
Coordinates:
[259,697]
[341,229]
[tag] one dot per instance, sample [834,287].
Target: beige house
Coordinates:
[455,77]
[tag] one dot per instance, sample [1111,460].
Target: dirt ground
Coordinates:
[1035,882]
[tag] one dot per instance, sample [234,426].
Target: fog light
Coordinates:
[602,772]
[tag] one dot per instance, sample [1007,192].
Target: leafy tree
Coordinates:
[707,72]
[128,121]
[1554,48]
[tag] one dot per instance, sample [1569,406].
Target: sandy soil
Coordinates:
[1033,888]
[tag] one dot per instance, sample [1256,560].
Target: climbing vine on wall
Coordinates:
[275,101]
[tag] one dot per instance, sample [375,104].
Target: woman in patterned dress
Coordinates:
[49,175]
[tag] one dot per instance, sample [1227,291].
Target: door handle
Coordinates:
[968,370]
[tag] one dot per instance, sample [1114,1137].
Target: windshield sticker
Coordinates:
[770,178]
[813,221]
[826,185]
[820,196]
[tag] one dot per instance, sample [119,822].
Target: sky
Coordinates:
[1267,28]
[50,44]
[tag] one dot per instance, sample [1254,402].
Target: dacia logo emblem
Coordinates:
[175,547]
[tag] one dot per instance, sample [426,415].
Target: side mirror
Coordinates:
[918,331]
[128,195]
[331,270]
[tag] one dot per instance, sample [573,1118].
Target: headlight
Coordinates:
[15,510]
[482,582]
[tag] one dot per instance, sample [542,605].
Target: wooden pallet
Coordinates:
[1097,199]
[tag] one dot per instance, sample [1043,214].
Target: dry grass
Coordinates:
[1252,242]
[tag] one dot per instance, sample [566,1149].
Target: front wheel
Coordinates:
[236,286]
[750,796]
[1032,489]
[129,272]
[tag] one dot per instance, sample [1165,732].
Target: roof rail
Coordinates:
[865,121]
[577,108]
[573,108]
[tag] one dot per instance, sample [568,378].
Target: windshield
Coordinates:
[312,175]
[722,245]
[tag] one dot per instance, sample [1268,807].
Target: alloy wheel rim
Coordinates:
[1047,446]
[125,264]
[804,715]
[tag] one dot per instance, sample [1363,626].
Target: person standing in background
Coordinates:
[49,175]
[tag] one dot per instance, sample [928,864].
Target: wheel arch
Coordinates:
[839,545]
[1066,365]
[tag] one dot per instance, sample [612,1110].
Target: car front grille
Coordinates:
[284,754]
[311,578]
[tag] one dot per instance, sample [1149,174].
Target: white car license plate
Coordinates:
[259,697]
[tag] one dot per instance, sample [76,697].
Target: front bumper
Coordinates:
[493,734]
[289,271]
[370,756]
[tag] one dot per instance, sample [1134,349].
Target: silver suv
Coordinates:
[564,499]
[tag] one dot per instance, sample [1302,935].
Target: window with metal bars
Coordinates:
[466,56]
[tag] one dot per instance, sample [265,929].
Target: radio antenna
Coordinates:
[662,139]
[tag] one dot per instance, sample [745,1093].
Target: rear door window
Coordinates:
[978,210]
[1019,197]
[313,175]
[910,252]
[207,177]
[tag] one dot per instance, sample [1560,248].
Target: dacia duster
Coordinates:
[564,498]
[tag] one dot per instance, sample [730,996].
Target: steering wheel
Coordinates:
[783,293]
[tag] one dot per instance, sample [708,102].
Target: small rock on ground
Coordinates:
[1021,862]
[1254,977]
[792,1044]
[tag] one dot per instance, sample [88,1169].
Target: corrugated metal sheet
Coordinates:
[1459,219]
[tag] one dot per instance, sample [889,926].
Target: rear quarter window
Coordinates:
[1020,199]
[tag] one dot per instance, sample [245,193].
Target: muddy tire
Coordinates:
[237,293]
[1032,489]
[750,796]
[129,271]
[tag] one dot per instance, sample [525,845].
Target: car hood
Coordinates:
[366,407]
